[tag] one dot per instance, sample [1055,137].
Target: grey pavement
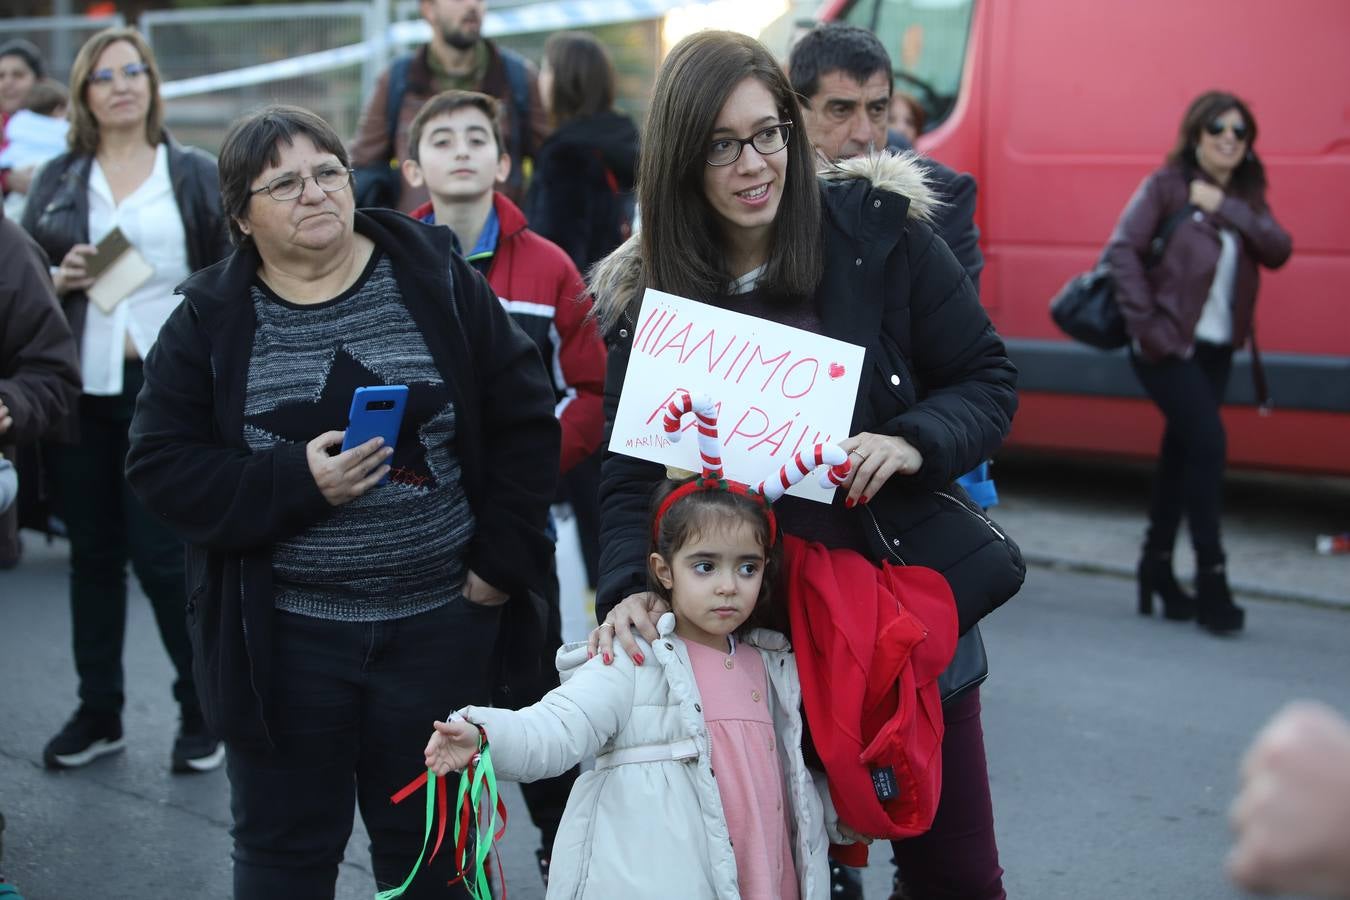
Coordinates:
[1113,740]
[1090,517]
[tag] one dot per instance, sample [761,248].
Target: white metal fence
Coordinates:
[58,37]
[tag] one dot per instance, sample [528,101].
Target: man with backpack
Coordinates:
[457,58]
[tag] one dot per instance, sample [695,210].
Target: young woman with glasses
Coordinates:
[1186,315]
[734,215]
[123,174]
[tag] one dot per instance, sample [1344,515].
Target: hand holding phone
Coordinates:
[376,412]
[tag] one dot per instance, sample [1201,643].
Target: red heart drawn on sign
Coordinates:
[836,371]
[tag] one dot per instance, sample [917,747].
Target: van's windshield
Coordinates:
[927,43]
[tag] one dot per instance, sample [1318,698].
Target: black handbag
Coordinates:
[967,670]
[947,531]
[1086,309]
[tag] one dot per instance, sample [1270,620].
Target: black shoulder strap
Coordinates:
[398,89]
[1169,225]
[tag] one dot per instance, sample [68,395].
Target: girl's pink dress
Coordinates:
[745,763]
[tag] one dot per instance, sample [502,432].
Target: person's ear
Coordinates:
[660,570]
[503,167]
[412,172]
[242,225]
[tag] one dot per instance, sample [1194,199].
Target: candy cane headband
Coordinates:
[712,478]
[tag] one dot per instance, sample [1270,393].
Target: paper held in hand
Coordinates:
[118,268]
[778,389]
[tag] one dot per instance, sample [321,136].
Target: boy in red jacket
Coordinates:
[455,150]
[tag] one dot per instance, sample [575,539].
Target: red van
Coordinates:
[1060,108]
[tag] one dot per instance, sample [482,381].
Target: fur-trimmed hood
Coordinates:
[616,279]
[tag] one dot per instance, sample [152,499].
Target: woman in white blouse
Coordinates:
[126,214]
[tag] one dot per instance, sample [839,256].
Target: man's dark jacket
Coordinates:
[57,213]
[954,221]
[189,462]
[935,371]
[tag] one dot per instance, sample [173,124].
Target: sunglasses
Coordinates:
[1216,128]
[131,71]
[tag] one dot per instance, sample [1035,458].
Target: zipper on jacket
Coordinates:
[979,515]
[253,683]
[889,545]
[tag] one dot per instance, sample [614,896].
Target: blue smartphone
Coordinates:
[375,412]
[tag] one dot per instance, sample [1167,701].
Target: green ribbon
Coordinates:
[393,893]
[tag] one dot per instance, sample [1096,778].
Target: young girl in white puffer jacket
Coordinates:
[699,788]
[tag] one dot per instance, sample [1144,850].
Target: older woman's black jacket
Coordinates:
[57,212]
[935,372]
[189,462]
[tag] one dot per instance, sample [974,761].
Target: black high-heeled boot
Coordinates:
[1155,577]
[1215,607]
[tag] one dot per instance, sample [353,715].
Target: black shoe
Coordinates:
[543,861]
[87,736]
[1217,611]
[845,882]
[1155,577]
[196,749]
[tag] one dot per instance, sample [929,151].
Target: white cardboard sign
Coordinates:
[779,390]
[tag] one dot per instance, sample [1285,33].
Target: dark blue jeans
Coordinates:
[353,704]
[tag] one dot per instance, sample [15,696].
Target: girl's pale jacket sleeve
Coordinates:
[571,722]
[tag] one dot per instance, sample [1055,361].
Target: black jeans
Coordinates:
[108,527]
[353,704]
[1189,476]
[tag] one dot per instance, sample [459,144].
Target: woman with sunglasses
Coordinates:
[1186,315]
[735,216]
[123,175]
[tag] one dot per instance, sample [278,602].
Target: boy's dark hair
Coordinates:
[583,76]
[835,47]
[254,142]
[46,97]
[706,510]
[448,102]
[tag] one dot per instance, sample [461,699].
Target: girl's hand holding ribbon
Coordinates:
[452,747]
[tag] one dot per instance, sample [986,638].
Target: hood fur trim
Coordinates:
[615,279]
[901,174]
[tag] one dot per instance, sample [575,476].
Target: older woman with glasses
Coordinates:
[343,596]
[124,183]
[1186,316]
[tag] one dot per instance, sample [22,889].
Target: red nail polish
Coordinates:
[848,503]
[864,499]
[637,659]
[608,659]
[590,655]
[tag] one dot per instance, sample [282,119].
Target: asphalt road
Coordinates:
[1113,744]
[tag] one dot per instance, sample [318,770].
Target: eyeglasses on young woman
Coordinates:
[725,151]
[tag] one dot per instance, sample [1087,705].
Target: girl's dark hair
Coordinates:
[583,76]
[707,510]
[254,142]
[1249,178]
[682,246]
